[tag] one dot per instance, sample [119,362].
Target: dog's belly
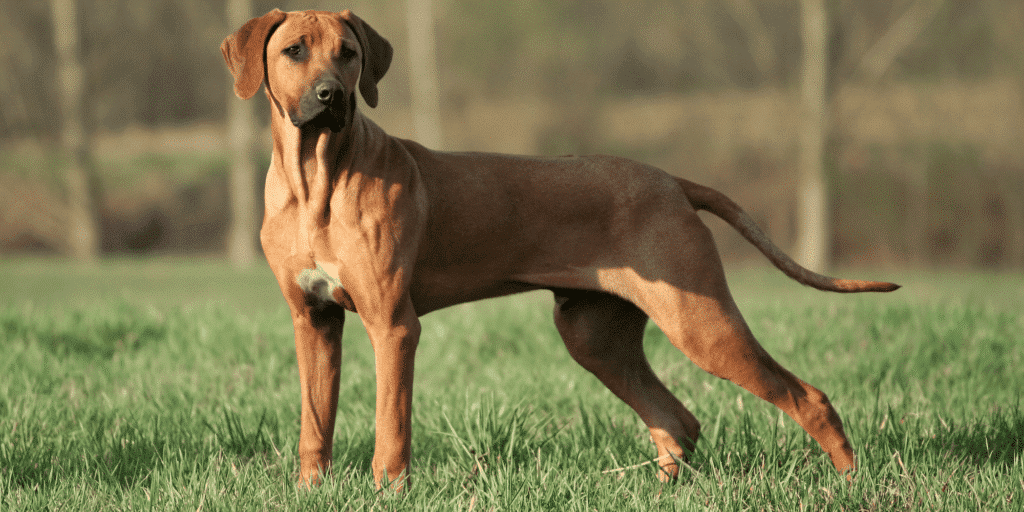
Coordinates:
[433,290]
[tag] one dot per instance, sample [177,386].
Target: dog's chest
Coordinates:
[321,284]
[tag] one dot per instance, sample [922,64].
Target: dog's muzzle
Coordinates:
[323,105]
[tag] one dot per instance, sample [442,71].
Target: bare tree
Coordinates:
[242,138]
[759,38]
[880,57]
[812,193]
[873,66]
[83,224]
[426,91]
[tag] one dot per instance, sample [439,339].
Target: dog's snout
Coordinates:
[327,90]
[323,104]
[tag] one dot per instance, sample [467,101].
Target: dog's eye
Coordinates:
[294,51]
[347,53]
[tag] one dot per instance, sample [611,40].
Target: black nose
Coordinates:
[327,90]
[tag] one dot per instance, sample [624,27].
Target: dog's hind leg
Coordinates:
[604,334]
[691,303]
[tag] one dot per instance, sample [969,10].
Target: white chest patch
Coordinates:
[320,283]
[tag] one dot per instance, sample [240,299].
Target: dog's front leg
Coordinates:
[318,347]
[394,340]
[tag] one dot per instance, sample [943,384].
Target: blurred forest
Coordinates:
[924,150]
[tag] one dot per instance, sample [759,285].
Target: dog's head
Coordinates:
[311,62]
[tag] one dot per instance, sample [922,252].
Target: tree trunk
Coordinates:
[426,90]
[83,223]
[242,138]
[813,235]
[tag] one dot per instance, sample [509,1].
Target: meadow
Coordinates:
[170,384]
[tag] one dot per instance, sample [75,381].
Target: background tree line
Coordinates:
[923,120]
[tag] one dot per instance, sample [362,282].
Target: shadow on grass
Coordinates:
[126,452]
[97,333]
[998,441]
[354,451]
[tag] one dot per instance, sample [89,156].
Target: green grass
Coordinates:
[171,384]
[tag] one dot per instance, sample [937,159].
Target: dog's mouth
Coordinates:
[313,115]
[329,117]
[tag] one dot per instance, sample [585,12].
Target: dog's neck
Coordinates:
[313,164]
[307,162]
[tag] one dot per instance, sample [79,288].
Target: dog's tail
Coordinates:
[711,200]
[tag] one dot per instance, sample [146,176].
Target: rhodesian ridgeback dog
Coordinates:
[362,221]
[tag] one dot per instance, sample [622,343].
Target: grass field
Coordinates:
[170,384]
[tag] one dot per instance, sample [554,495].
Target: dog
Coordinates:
[362,221]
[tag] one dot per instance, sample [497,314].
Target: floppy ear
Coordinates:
[244,52]
[377,54]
